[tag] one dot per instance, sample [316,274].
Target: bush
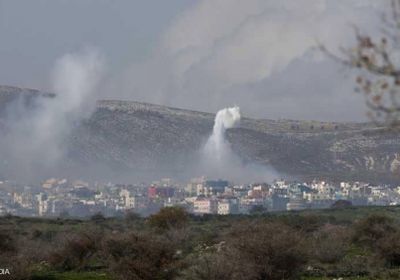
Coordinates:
[131,216]
[7,243]
[357,266]
[75,253]
[141,257]
[97,217]
[388,248]
[258,209]
[212,265]
[369,230]
[268,251]
[169,217]
[306,223]
[330,244]
[341,204]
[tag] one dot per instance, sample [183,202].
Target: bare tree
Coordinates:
[379,62]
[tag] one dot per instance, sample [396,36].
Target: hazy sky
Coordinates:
[34,34]
[197,54]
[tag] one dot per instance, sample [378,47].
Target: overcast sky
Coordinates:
[34,34]
[196,54]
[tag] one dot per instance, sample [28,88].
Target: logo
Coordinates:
[4,271]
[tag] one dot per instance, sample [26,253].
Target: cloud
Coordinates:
[217,47]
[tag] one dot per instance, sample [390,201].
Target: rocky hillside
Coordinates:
[21,96]
[143,136]
[136,136]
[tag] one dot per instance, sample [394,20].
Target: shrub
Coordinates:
[369,230]
[75,253]
[141,257]
[169,217]
[97,217]
[213,265]
[131,216]
[7,242]
[269,251]
[305,222]
[357,265]
[341,204]
[330,243]
[388,248]
[258,209]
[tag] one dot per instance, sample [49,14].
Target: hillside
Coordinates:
[126,136]
[137,135]
[23,96]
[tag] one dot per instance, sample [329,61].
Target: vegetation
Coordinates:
[347,242]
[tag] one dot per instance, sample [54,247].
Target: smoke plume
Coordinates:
[217,149]
[36,143]
[220,161]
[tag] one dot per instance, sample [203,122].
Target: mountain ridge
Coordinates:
[135,136]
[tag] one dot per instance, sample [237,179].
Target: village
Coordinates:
[200,196]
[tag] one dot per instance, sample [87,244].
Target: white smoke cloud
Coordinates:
[220,47]
[217,148]
[36,142]
[217,159]
[75,77]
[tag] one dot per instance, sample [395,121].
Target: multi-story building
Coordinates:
[228,206]
[203,205]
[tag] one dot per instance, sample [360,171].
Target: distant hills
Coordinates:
[23,96]
[133,136]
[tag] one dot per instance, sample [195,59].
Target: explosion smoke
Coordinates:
[219,161]
[217,148]
[36,142]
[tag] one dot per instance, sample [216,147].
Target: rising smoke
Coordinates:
[220,161]
[36,144]
[217,149]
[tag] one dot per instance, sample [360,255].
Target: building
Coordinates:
[228,206]
[42,204]
[296,204]
[204,205]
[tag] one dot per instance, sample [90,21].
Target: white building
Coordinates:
[42,204]
[228,206]
[205,206]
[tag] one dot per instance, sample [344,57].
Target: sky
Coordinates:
[34,34]
[196,54]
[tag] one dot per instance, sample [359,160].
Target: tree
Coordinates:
[7,242]
[76,251]
[370,230]
[169,217]
[258,209]
[97,217]
[341,203]
[379,78]
[141,257]
[267,250]
[131,216]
